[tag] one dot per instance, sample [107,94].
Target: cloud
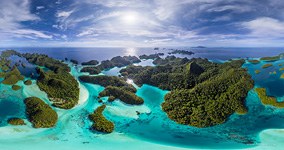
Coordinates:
[64,14]
[40,7]
[265,27]
[118,3]
[233,8]
[156,21]
[33,34]
[13,13]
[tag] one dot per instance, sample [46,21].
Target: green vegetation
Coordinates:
[202,93]
[282,76]
[274,58]
[91,70]
[254,61]
[117,61]
[4,64]
[39,113]
[267,100]
[101,124]
[122,94]
[12,77]
[50,63]
[170,60]
[111,98]
[8,53]
[62,88]
[266,66]
[91,62]
[28,82]
[151,56]
[170,73]
[16,121]
[108,81]
[16,87]
[257,71]
[281,69]
[116,88]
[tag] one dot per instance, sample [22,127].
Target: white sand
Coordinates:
[84,94]
[118,108]
[271,139]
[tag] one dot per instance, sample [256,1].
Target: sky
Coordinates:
[141,23]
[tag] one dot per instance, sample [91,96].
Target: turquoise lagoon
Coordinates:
[261,128]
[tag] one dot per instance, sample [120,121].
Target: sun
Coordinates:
[130,18]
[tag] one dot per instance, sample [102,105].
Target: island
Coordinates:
[61,87]
[202,93]
[91,70]
[4,64]
[200,47]
[151,56]
[39,113]
[117,61]
[183,52]
[116,88]
[16,121]
[274,58]
[28,82]
[254,61]
[266,66]
[282,76]
[12,76]
[257,71]
[100,123]
[268,100]
[16,87]
[91,62]
[122,94]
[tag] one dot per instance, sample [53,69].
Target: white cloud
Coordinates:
[13,13]
[265,27]
[166,9]
[118,3]
[30,34]
[64,14]
[233,8]
[40,7]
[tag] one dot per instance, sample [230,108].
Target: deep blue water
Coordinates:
[85,54]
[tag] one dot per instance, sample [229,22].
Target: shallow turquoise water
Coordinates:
[151,129]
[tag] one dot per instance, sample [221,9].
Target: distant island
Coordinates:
[184,52]
[199,47]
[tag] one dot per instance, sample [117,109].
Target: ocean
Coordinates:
[103,53]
